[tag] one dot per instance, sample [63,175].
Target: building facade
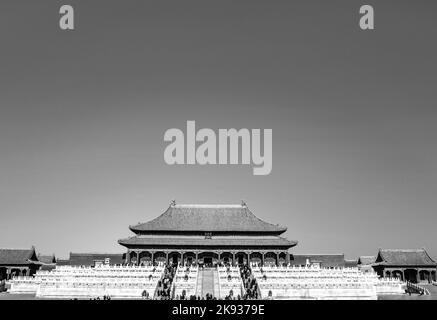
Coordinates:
[207,234]
[18,262]
[409,265]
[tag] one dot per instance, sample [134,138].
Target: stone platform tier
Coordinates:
[84,282]
[312,282]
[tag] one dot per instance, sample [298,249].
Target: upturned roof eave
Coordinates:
[158,224]
[399,265]
[142,227]
[127,242]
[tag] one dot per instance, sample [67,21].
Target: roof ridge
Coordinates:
[319,254]
[405,250]
[208,206]
[84,253]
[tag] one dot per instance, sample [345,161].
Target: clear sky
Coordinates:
[353,114]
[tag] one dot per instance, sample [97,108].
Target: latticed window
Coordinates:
[208,235]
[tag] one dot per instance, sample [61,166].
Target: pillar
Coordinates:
[128,257]
[197,256]
[277,258]
[138,257]
[233,258]
[166,257]
[152,256]
[262,257]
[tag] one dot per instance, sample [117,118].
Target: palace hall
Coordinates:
[208,235]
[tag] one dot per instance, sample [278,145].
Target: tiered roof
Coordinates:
[201,226]
[208,218]
[200,242]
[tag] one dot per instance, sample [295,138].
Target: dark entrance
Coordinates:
[240,259]
[411,275]
[207,261]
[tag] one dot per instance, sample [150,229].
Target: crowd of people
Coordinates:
[249,282]
[163,291]
[183,296]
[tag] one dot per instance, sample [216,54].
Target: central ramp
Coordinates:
[207,281]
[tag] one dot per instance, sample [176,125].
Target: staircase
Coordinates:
[207,282]
[216,292]
[199,283]
[414,288]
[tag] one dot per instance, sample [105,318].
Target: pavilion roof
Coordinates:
[366,260]
[350,263]
[404,257]
[18,256]
[46,259]
[212,242]
[208,218]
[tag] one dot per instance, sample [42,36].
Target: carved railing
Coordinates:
[415,288]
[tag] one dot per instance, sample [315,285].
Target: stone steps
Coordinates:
[199,283]
[216,284]
[207,282]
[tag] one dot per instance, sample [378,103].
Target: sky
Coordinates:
[353,114]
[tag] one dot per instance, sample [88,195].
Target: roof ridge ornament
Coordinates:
[173,203]
[243,203]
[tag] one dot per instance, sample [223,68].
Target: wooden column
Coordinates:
[138,258]
[248,257]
